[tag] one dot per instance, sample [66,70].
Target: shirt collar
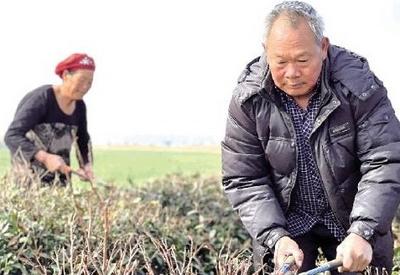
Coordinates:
[314,93]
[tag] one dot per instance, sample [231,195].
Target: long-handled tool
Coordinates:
[324,267]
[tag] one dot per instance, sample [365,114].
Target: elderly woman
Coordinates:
[49,120]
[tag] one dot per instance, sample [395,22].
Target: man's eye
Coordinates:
[303,60]
[281,62]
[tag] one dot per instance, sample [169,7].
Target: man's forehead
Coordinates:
[282,53]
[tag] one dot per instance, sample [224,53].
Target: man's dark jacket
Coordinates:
[355,143]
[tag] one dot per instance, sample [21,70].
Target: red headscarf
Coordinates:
[75,61]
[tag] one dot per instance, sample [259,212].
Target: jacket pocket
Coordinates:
[340,156]
[281,155]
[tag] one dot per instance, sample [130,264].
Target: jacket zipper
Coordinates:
[325,192]
[292,180]
[336,104]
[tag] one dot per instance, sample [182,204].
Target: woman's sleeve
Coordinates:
[30,112]
[84,152]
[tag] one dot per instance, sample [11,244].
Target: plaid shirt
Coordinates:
[309,204]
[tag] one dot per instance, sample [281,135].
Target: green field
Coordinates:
[132,165]
[4,160]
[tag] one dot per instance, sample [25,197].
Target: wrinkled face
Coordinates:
[77,83]
[294,56]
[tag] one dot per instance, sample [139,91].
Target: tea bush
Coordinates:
[175,225]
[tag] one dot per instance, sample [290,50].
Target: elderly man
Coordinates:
[311,155]
[47,122]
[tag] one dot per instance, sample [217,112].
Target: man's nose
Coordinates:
[292,71]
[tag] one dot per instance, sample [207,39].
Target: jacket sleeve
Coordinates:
[246,180]
[378,145]
[29,113]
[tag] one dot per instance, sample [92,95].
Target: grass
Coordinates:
[4,160]
[137,164]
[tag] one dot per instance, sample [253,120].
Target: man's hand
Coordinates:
[52,162]
[284,247]
[355,252]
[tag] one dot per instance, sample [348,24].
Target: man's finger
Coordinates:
[298,257]
[287,265]
[339,256]
[347,264]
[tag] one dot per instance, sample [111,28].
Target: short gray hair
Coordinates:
[294,10]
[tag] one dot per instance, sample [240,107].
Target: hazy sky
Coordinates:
[169,67]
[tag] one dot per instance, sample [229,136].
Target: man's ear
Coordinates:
[324,47]
[265,51]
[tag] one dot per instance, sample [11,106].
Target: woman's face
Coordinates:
[77,83]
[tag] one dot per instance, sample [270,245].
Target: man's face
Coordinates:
[294,56]
[78,83]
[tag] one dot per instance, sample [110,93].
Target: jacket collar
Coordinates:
[341,65]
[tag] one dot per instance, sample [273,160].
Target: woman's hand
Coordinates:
[52,162]
[86,172]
